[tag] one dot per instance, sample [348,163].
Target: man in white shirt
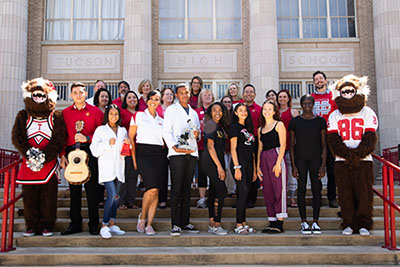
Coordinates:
[177,119]
[97,85]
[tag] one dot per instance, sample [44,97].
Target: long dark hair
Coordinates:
[248,122]
[108,108]
[289,103]
[230,111]
[125,105]
[272,91]
[96,101]
[224,121]
[200,81]
[276,115]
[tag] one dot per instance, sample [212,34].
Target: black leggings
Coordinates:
[312,166]
[201,174]
[217,189]
[243,187]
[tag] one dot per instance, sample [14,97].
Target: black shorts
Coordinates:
[150,159]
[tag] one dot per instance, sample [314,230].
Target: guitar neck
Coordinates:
[78,144]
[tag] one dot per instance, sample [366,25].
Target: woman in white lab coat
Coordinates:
[107,143]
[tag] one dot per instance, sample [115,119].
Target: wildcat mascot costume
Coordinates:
[39,135]
[352,138]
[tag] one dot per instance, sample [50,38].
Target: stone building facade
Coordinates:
[260,47]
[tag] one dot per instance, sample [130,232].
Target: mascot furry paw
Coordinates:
[352,138]
[39,135]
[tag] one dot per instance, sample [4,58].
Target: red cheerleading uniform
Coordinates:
[39,133]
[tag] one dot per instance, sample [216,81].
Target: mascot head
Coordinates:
[40,97]
[350,93]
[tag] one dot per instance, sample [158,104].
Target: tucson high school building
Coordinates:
[273,44]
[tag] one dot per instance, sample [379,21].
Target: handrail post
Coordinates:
[12,210]
[392,215]
[385,206]
[5,212]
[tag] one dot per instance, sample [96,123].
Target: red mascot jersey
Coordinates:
[39,133]
[324,105]
[352,127]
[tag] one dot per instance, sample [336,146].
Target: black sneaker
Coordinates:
[175,231]
[333,204]
[305,228]
[190,229]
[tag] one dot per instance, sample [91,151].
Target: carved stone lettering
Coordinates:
[103,61]
[297,60]
[224,60]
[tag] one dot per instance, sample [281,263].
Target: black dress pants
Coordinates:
[182,171]
[92,194]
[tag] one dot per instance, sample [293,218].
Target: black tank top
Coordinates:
[270,139]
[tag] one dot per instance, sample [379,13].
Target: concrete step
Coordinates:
[164,224]
[228,212]
[64,202]
[203,239]
[228,255]
[63,192]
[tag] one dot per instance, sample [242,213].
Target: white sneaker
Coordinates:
[316,230]
[116,230]
[210,229]
[219,231]
[105,232]
[305,228]
[202,203]
[347,231]
[364,232]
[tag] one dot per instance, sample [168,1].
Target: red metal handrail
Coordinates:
[387,181]
[8,205]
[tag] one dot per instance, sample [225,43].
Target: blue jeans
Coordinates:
[111,205]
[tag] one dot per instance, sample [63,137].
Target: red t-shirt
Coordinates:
[126,116]
[90,115]
[324,104]
[117,102]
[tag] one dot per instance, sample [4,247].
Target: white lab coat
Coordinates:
[175,121]
[111,163]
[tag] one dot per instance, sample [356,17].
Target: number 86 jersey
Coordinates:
[351,127]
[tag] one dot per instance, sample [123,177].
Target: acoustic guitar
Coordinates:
[77,171]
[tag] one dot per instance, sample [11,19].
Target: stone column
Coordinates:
[137,42]
[387,62]
[264,72]
[13,53]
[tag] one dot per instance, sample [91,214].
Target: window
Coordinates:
[200,19]
[84,20]
[315,18]
[63,89]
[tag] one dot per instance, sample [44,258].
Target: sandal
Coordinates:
[122,207]
[293,205]
[250,229]
[240,230]
[132,206]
